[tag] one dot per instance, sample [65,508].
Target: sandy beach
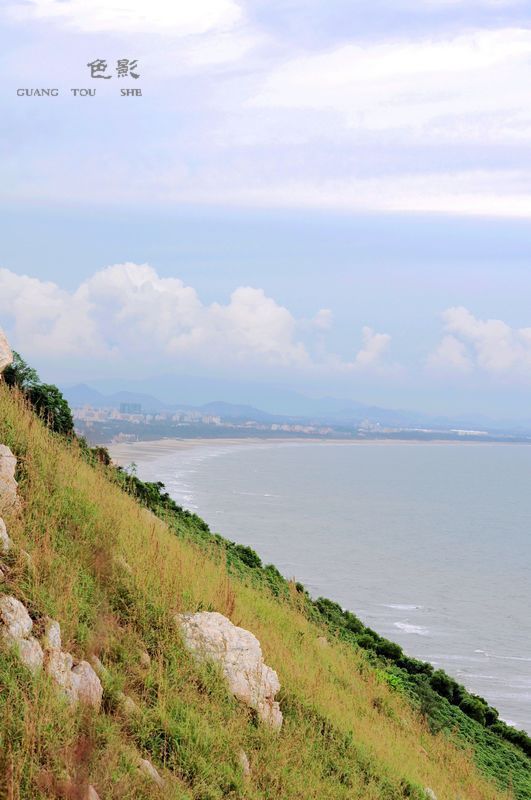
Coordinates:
[125,453]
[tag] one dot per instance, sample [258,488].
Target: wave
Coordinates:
[402,606]
[406,627]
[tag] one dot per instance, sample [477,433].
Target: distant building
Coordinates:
[130,408]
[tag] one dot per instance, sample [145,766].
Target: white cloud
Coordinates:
[470,86]
[132,16]
[374,346]
[491,346]
[127,314]
[451,354]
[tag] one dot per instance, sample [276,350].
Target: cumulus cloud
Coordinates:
[491,346]
[374,346]
[127,314]
[132,16]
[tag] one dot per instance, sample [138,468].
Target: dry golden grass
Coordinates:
[114,575]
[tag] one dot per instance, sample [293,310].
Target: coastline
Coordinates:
[123,453]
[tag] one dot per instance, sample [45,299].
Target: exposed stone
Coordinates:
[145,660]
[52,635]
[5,542]
[100,670]
[88,688]
[80,683]
[244,763]
[16,622]
[6,356]
[58,666]
[127,704]
[149,770]
[212,637]
[15,629]
[30,653]
[430,794]
[91,794]
[8,484]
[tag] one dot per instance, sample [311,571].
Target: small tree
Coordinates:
[49,403]
[20,374]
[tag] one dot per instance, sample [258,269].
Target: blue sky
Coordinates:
[331,196]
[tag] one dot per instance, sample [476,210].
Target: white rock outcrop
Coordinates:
[6,356]
[15,630]
[8,484]
[5,542]
[79,683]
[212,637]
[150,772]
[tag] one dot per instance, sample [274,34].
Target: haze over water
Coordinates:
[429,544]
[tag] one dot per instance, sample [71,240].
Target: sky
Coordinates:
[328,196]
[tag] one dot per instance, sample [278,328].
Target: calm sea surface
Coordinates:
[429,544]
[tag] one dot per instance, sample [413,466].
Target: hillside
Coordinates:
[113,574]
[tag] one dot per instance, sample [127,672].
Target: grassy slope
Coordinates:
[347,734]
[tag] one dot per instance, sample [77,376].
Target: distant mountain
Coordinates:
[283,405]
[83,395]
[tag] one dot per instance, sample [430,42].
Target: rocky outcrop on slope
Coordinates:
[6,356]
[8,484]
[212,637]
[78,682]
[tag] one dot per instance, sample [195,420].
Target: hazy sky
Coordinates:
[330,195]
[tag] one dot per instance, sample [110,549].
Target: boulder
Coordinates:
[15,621]
[212,637]
[243,761]
[30,653]
[88,688]
[430,794]
[6,356]
[52,635]
[5,542]
[8,484]
[150,772]
[91,794]
[79,684]
[15,629]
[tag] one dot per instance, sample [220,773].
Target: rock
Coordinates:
[15,629]
[145,660]
[79,684]
[5,542]
[58,666]
[149,770]
[430,794]
[244,763]
[91,794]
[52,635]
[8,484]
[100,670]
[16,622]
[88,688]
[127,704]
[6,356]
[212,637]
[30,653]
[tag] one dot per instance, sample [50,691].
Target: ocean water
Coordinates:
[429,544]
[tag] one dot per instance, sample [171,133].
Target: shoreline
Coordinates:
[122,453]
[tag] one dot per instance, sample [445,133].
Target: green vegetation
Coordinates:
[113,558]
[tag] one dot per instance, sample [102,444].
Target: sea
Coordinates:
[428,543]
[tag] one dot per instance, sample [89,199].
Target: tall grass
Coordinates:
[114,576]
